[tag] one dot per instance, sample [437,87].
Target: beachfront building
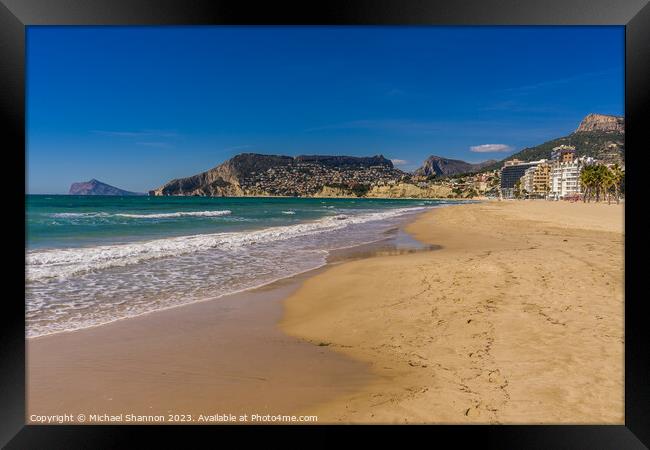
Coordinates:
[542,180]
[565,173]
[527,180]
[565,178]
[535,182]
[511,173]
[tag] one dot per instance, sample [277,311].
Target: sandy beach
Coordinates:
[511,312]
[518,318]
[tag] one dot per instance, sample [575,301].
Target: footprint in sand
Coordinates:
[496,377]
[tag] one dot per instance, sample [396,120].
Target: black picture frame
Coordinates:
[15,15]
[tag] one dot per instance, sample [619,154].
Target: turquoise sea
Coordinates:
[95,259]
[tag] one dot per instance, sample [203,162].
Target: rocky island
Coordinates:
[96,187]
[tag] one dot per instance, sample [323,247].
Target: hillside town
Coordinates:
[308,178]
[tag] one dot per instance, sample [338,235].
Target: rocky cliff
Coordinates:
[400,190]
[224,179]
[603,123]
[407,190]
[95,187]
[439,166]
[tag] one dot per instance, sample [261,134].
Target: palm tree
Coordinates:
[617,180]
[601,180]
[588,182]
[609,184]
[598,179]
[583,179]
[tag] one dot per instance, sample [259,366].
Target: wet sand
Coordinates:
[518,318]
[224,356]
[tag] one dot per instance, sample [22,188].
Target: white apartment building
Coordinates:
[527,180]
[565,178]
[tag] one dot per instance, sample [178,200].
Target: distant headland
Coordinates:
[96,187]
[598,136]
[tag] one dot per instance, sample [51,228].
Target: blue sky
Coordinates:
[138,106]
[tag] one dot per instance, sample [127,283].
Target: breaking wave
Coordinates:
[62,263]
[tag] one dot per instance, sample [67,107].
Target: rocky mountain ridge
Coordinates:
[439,166]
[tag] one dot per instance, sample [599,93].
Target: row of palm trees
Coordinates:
[600,182]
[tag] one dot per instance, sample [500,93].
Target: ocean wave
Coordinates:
[288,212]
[176,214]
[75,215]
[62,263]
[143,216]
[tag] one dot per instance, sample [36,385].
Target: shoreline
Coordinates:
[335,256]
[518,318]
[49,268]
[221,356]
[268,285]
[69,368]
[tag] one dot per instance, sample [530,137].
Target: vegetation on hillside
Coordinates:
[605,146]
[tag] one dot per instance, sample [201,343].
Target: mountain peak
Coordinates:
[441,166]
[602,122]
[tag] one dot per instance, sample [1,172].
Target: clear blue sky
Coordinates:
[137,106]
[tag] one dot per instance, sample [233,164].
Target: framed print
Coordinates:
[357,213]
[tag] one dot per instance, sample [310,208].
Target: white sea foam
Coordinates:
[143,216]
[62,263]
[74,215]
[288,212]
[177,214]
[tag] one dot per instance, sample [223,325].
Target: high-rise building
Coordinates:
[565,177]
[542,180]
[536,180]
[527,180]
[511,173]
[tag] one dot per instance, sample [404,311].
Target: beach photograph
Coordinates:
[327,225]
